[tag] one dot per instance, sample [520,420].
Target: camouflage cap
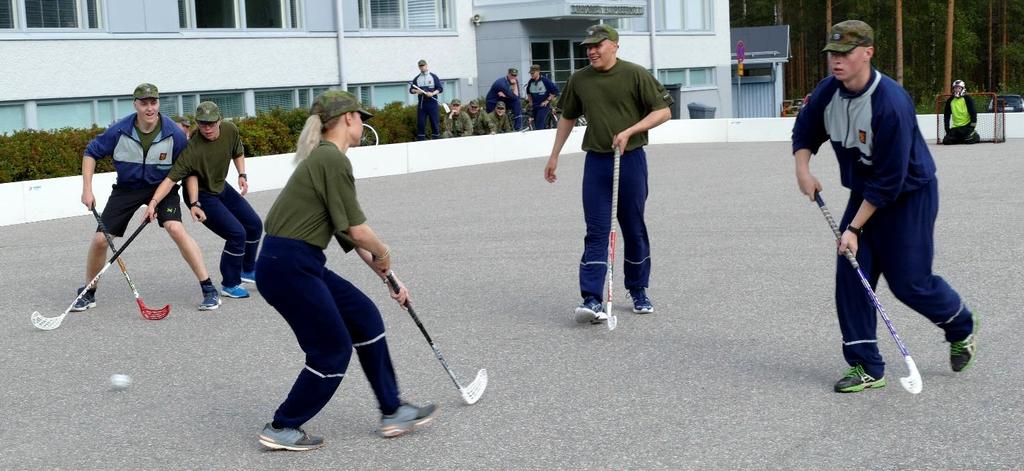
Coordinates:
[500,105]
[535,68]
[146,90]
[849,34]
[473,104]
[207,112]
[456,101]
[334,103]
[513,71]
[422,62]
[598,33]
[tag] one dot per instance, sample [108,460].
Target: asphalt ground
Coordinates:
[733,371]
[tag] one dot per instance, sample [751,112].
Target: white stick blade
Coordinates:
[613,321]
[46,323]
[475,390]
[913,383]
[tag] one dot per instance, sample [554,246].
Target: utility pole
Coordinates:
[899,41]
[948,73]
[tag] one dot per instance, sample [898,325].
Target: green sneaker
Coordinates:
[962,353]
[856,380]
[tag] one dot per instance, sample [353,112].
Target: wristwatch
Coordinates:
[195,205]
[242,175]
[855,230]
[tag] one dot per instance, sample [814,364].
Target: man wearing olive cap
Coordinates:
[541,91]
[621,101]
[143,145]
[457,123]
[890,217]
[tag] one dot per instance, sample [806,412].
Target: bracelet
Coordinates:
[387,253]
[242,175]
[855,230]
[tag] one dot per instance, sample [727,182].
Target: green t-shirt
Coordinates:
[612,101]
[318,201]
[209,160]
[147,138]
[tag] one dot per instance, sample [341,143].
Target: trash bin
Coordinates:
[675,91]
[699,111]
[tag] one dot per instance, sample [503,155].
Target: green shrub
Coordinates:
[33,155]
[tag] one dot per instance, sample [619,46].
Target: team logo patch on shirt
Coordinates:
[163,156]
[863,136]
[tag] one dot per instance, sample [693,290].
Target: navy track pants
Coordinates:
[540,117]
[597,209]
[898,242]
[329,317]
[427,110]
[232,218]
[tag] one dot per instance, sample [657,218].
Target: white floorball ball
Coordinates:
[119,381]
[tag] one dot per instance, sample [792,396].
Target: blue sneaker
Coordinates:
[641,303]
[88,301]
[211,300]
[248,277]
[405,420]
[293,439]
[590,310]
[234,291]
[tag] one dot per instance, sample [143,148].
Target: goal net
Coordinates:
[991,125]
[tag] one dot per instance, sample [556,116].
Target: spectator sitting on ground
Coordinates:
[501,121]
[482,123]
[960,112]
[458,123]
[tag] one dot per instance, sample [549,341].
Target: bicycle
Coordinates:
[369,137]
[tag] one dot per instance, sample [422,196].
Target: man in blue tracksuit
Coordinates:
[144,146]
[541,91]
[427,86]
[889,220]
[506,89]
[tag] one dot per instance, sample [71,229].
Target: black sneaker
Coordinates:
[292,439]
[641,303]
[856,380]
[962,353]
[87,301]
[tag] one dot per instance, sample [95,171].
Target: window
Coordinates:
[63,115]
[558,59]
[683,15]
[6,22]
[125,106]
[231,14]
[688,78]
[264,14]
[449,93]
[215,13]
[58,13]
[231,104]
[268,100]
[12,118]
[379,95]
[405,14]
[188,104]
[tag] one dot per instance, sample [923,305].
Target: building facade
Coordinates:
[74,62]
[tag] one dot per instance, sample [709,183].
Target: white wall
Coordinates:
[59,197]
[104,67]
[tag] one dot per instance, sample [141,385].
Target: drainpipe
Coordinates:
[339,13]
[653,35]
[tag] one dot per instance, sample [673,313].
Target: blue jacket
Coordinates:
[874,134]
[428,83]
[539,90]
[135,170]
[504,86]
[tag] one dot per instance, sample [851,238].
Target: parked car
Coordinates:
[1010,103]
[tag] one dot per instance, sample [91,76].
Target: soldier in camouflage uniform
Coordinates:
[482,123]
[501,121]
[458,123]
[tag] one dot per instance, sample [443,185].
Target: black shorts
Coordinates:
[123,203]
